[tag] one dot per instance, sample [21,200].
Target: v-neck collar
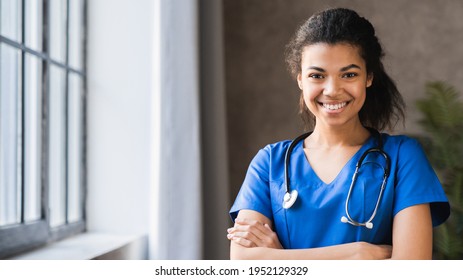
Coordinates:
[348,167]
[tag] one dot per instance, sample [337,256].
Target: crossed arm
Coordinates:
[252,237]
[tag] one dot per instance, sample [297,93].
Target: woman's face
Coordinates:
[333,81]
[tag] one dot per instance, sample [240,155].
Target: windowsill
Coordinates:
[91,246]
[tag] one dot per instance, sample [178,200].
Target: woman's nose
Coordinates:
[332,87]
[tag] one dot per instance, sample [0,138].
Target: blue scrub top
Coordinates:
[315,219]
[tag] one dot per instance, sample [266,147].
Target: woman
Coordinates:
[336,59]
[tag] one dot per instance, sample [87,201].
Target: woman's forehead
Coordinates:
[324,55]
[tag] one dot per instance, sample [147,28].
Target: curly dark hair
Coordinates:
[384,105]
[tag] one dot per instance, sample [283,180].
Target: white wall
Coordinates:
[120,40]
[177,225]
[144,171]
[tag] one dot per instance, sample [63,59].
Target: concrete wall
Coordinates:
[422,40]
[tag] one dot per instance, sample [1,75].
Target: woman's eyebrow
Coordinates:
[348,67]
[316,69]
[343,69]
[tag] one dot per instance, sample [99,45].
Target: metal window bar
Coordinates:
[22,121]
[20,237]
[45,116]
[44,56]
[66,121]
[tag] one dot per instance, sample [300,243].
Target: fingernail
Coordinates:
[229,230]
[237,220]
[229,236]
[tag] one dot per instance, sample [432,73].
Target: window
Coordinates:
[42,122]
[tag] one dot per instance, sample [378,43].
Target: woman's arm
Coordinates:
[412,233]
[251,241]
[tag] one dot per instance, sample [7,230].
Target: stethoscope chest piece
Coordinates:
[289,199]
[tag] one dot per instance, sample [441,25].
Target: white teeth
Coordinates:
[334,106]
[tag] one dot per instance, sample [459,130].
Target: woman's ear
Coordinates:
[299,80]
[369,79]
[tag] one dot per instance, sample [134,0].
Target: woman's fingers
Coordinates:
[255,234]
[244,238]
[243,235]
[243,241]
[368,251]
[254,228]
[272,238]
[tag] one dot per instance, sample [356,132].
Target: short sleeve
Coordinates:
[255,193]
[417,183]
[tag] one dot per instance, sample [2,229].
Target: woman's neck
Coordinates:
[324,136]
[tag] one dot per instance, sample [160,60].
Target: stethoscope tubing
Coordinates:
[288,157]
[291,196]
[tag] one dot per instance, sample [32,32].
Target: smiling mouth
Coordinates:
[333,106]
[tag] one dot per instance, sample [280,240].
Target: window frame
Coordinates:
[23,236]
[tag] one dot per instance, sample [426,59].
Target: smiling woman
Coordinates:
[345,167]
[339,73]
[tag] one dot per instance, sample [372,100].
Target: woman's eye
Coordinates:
[350,75]
[316,76]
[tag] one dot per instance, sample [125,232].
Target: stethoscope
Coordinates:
[291,196]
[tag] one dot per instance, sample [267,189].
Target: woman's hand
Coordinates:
[252,238]
[368,251]
[251,233]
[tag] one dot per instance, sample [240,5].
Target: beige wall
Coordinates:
[423,41]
